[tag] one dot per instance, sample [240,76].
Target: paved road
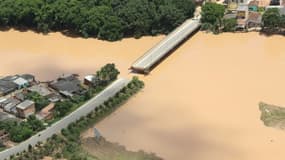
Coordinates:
[110,91]
[152,56]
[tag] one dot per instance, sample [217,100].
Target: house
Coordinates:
[68,85]
[254,20]
[242,15]
[4,136]
[21,82]
[20,96]
[7,86]
[253,5]
[30,78]
[233,4]
[47,112]
[42,90]
[26,108]
[10,105]
[275,3]
[88,80]
[3,101]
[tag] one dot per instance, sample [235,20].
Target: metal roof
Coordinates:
[25,104]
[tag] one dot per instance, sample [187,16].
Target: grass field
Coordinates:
[104,150]
[272,116]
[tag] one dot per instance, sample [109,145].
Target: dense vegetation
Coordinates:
[20,131]
[273,21]
[105,19]
[67,144]
[105,76]
[212,17]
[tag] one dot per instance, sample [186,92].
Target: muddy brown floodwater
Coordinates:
[201,103]
[48,56]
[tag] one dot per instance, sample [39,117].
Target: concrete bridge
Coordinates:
[161,50]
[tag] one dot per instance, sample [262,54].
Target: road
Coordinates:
[89,106]
[160,50]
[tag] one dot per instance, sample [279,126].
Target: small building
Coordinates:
[10,105]
[21,82]
[68,85]
[26,108]
[47,112]
[7,87]
[88,80]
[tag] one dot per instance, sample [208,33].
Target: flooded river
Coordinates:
[201,103]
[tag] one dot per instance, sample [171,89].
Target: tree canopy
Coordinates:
[105,19]
[271,19]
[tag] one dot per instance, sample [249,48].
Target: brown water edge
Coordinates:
[202,102]
[48,56]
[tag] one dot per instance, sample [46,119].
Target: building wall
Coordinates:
[29,110]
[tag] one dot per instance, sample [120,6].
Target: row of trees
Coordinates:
[67,144]
[105,19]
[20,131]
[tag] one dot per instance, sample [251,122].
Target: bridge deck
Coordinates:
[155,54]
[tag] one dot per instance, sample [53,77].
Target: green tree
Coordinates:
[62,108]
[271,19]
[212,13]
[229,25]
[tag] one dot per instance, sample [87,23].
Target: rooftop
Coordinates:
[24,105]
[28,76]
[69,84]
[20,81]
[40,89]
[5,116]
[89,77]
